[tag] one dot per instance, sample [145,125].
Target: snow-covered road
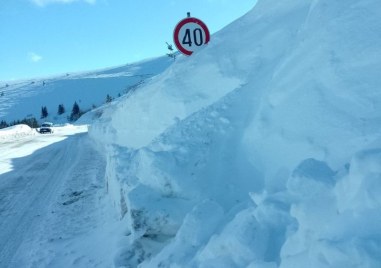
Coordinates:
[52,202]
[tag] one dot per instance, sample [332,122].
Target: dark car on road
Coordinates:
[46,127]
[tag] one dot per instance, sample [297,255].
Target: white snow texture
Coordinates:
[261,150]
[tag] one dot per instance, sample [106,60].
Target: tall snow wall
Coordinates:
[260,150]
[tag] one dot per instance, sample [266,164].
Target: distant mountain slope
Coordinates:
[21,99]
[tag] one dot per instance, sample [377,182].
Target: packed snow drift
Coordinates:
[261,150]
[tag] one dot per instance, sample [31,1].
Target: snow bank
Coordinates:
[15,132]
[260,150]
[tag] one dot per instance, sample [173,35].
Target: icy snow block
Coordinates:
[315,170]
[361,189]
[311,177]
[200,223]
[197,228]
[154,214]
[241,241]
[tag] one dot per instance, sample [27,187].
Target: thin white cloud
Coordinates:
[217,1]
[43,3]
[34,57]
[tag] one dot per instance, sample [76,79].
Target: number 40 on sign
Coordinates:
[190,34]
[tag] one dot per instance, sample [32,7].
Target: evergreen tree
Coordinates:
[3,124]
[44,112]
[108,98]
[75,109]
[61,109]
[75,112]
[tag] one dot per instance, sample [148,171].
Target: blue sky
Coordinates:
[47,37]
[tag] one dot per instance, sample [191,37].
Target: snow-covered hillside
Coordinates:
[261,150]
[24,99]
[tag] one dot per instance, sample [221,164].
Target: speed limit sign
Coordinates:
[190,34]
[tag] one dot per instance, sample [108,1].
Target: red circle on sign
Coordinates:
[177,31]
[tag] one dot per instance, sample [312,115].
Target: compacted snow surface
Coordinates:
[53,208]
[262,149]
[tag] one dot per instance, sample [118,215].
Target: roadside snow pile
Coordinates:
[15,132]
[261,150]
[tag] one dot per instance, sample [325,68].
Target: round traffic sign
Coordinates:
[190,34]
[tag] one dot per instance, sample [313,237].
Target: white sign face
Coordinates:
[190,34]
